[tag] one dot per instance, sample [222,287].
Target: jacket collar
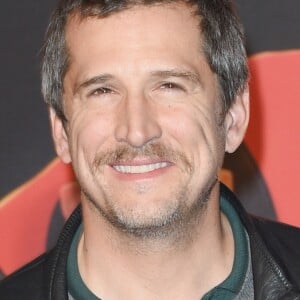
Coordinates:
[270,281]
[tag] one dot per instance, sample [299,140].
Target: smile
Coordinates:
[140,169]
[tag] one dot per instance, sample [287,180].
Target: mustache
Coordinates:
[124,153]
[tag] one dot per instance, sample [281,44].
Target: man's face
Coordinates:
[144,130]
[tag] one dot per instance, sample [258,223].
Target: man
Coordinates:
[145,97]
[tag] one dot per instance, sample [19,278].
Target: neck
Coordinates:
[116,266]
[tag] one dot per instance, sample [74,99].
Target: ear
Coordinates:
[236,121]
[60,137]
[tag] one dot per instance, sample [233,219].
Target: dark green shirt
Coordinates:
[238,284]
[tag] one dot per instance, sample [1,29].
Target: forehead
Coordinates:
[165,23]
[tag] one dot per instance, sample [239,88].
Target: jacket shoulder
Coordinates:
[45,277]
[27,283]
[283,242]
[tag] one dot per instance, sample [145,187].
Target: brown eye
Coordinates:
[100,91]
[171,86]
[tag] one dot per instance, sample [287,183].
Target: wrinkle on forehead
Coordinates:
[111,29]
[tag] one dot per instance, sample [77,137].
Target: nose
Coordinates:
[137,122]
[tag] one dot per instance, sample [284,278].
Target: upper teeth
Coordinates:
[141,168]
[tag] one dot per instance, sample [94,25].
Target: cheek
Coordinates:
[89,132]
[184,125]
[197,133]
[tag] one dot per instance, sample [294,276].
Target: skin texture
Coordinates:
[139,92]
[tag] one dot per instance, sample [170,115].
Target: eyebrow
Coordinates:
[94,80]
[191,76]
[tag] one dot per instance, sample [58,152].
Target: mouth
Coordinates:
[140,169]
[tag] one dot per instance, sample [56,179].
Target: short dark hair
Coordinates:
[222,32]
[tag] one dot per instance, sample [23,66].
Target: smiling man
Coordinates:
[145,97]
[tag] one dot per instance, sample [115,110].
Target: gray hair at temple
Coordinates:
[222,32]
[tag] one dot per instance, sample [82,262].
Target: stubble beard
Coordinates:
[172,221]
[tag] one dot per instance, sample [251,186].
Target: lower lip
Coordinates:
[140,176]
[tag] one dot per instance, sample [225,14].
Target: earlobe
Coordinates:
[60,137]
[236,121]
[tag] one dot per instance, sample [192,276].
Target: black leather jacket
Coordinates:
[275,254]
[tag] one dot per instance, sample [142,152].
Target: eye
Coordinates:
[101,91]
[171,86]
